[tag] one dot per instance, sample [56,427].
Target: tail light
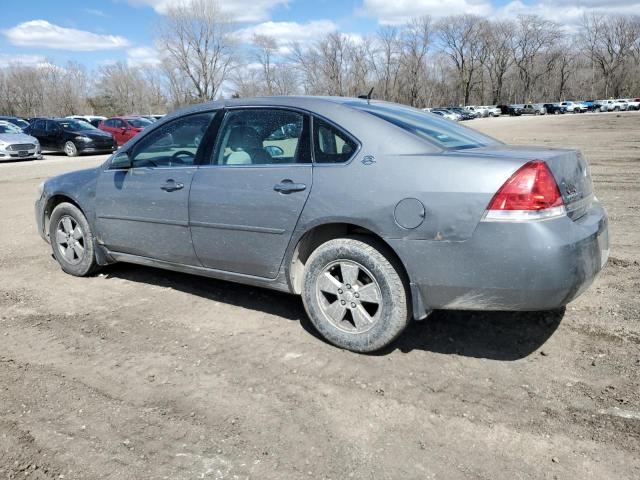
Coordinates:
[531,193]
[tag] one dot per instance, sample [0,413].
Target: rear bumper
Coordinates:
[509,266]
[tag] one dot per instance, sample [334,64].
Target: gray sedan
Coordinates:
[15,145]
[373,212]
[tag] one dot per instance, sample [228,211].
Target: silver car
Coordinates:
[15,145]
[375,213]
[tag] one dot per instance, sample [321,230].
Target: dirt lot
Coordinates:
[144,374]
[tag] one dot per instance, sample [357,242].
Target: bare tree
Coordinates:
[416,40]
[498,41]
[265,49]
[610,42]
[533,37]
[196,39]
[459,37]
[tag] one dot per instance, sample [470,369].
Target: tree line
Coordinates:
[456,60]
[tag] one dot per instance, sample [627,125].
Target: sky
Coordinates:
[100,32]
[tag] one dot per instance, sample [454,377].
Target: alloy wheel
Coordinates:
[70,240]
[349,296]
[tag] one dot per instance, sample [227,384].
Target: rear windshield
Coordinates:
[139,122]
[76,125]
[444,133]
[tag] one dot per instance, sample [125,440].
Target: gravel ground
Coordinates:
[140,373]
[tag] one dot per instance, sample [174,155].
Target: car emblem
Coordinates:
[570,189]
[368,160]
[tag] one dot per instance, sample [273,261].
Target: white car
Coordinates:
[613,105]
[632,104]
[91,119]
[574,107]
[448,114]
[479,110]
[15,145]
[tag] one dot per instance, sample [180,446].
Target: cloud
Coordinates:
[285,33]
[141,56]
[239,10]
[400,11]
[95,12]
[42,34]
[25,60]
[565,12]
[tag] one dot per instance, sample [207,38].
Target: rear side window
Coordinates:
[331,145]
[439,131]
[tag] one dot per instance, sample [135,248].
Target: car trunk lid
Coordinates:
[568,167]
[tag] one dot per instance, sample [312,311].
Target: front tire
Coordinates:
[70,149]
[72,240]
[355,294]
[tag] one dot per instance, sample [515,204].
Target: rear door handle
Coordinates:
[172,186]
[287,186]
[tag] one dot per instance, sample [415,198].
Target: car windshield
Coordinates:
[9,128]
[20,123]
[443,133]
[139,122]
[76,125]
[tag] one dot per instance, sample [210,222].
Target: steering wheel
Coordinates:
[175,159]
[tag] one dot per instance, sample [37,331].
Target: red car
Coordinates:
[124,128]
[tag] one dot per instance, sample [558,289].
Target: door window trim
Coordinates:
[306,125]
[356,151]
[212,129]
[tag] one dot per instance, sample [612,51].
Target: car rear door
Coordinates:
[144,210]
[245,204]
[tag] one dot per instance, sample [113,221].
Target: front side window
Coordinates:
[441,132]
[174,144]
[330,145]
[261,137]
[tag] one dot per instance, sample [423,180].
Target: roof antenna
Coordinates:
[367,97]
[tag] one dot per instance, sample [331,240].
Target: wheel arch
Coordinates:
[316,235]
[52,202]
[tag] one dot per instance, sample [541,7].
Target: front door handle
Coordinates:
[287,186]
[172,186]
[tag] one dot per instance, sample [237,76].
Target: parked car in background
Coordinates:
[554,108]
[574,107]
[17,121]
[92,119]
[503,228]
[480,111]
[71,136]
[513,110]
[124,129]
[463,113]
[533,109]
[633,103]
[17,145]
[494,110]
[443,112]
[613,106]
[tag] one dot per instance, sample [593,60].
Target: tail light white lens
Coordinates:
[531,193]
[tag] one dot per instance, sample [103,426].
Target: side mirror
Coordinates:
[122,160]
[274,150]
[124,129]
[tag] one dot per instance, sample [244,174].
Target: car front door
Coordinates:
[39,130]
[54,135]
[142,196]
[245,204]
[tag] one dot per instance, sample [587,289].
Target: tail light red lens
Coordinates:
[532,188]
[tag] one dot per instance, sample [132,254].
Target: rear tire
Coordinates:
[70,149]
[72,240]
[355,294]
